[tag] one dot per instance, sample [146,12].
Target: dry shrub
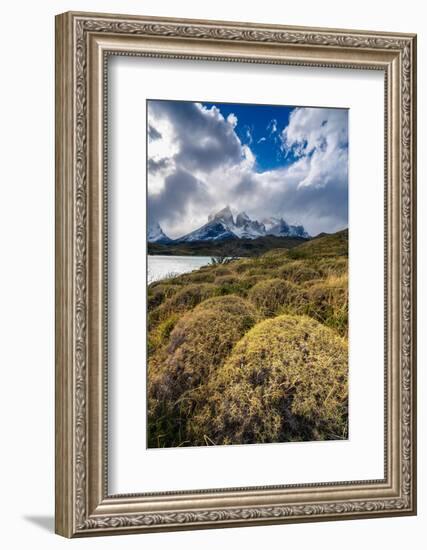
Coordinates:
[298,272]
[286,380]
[327,302]
[221,270]
[201,275]
[179,373]
[257,271]
[251,280]
[321,247]
[227,280]
[159,293]
[160,334]
[183,300]
[241,266]
[333,266]
[272,295]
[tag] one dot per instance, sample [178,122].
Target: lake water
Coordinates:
[161,266]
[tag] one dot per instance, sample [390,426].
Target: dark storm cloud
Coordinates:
[181,192]
[201,165]
[153,134]
[155,166]
[205,139]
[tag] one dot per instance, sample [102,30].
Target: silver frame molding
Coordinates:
[83,43]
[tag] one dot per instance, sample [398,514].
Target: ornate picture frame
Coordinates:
[84,42]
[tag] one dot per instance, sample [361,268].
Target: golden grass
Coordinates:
[186,298]
[286,380]
[220,372]
[198,344]
[272,295]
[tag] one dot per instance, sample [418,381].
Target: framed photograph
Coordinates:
[235,274]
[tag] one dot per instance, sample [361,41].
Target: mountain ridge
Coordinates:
[222,225]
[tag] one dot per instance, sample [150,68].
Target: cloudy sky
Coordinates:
[290,162]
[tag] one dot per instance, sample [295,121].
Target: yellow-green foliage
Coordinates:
[241,266]
[328,245]
[251,280]
[286,380]
[158,293]
[228,280]
[219,372]
[272,295]
[333,266]
[161,333]
[232,284]
[221,270]
[327,302]
[183,300]
[202,275]
[298,271]
[198,344]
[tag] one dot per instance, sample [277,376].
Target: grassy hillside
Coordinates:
[323,246]
[230,247]
[251,351]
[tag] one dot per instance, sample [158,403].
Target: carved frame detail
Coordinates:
[83,506]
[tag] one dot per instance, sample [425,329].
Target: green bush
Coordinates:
[286,380]
[271,295]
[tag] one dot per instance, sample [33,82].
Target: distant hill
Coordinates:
[229,247]
[335,244]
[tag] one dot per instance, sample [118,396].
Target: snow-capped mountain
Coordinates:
[156,234]
[279,228]
[245,228]
[222,225]
[218,228]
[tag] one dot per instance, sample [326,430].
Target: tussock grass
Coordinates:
[272,295]
[298,272]
[221,270]
[160,292]
[333,266]
[227,280]
[286,380]
[251,280]
[251,351]
[199,276]
[242,266]
[183,300]
[322,247]
[198,344]
[327,302]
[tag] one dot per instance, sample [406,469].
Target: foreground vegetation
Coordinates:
[253,351]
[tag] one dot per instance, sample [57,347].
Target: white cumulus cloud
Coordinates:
[197,164]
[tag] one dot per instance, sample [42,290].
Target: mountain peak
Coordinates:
[241,218]
[221,225]
[156,234]
[225,215]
